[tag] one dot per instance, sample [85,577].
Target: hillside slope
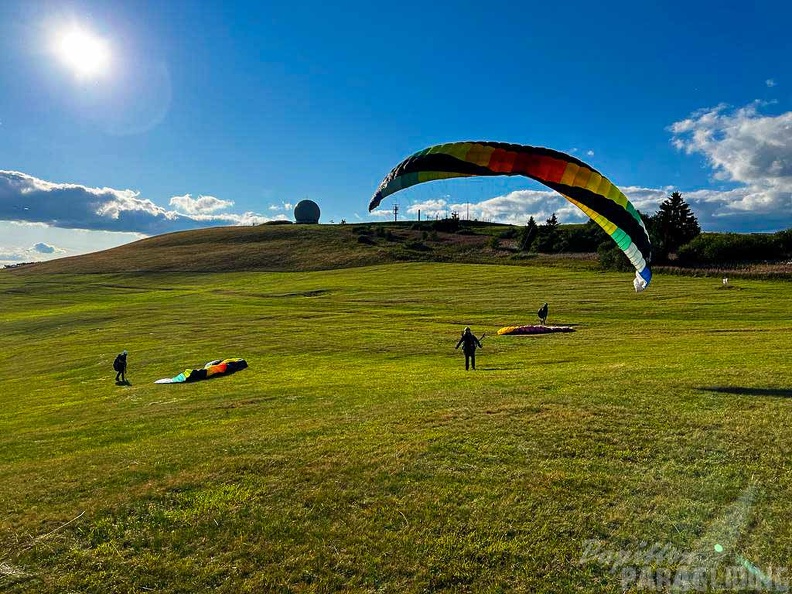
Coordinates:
[283,248]
[304,248]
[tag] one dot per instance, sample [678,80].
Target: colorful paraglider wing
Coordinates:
[579,183]
[534,329]
[212,368]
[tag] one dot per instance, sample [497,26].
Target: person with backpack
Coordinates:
[542,313]
[120,366]
[469,344]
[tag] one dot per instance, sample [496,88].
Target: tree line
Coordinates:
[675,235]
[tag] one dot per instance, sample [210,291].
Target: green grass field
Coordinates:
[356,454]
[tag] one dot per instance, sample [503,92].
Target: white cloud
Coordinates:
[13,255]
[44,248]
[746,148]
[19,241]
[73,206]
[283,206]
[590,153]
[243,219]
[199,206]
[713,208]
[34,253]
[646,200]
[770,82]
[518,206]
[515,208]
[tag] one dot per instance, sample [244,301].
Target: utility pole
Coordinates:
[395,213]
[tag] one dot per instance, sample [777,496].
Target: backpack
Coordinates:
[118,364]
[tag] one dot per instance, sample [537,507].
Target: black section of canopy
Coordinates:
[612,211]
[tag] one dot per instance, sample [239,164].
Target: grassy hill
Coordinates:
[276,248]
[284,247]
[355,454]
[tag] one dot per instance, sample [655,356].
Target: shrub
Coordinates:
[612,258]
[720,248]
[417,246]
[446,225]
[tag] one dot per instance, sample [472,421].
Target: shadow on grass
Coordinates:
[740,391]
[123,383]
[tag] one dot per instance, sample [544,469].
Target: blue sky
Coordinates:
[217,113]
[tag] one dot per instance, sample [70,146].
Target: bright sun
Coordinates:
[85,53]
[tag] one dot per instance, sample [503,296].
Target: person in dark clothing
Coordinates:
[469,343]
[542,313]
[120,366]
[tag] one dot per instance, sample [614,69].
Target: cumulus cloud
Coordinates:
[11,255]
[646,200]
[770,82]
[518,206]
[515,208]
[282,207]
[73,206]
[44,248]
[744,147]
[713,208]
[199,206]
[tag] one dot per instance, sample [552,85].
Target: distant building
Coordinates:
[307,212]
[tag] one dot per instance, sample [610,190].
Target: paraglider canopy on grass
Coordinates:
[534,329]
[214,368]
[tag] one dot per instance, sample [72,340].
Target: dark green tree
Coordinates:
[584,238]
[548,237]
[672,226]
[527,235]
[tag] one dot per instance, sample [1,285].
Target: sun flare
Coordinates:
[85,53]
